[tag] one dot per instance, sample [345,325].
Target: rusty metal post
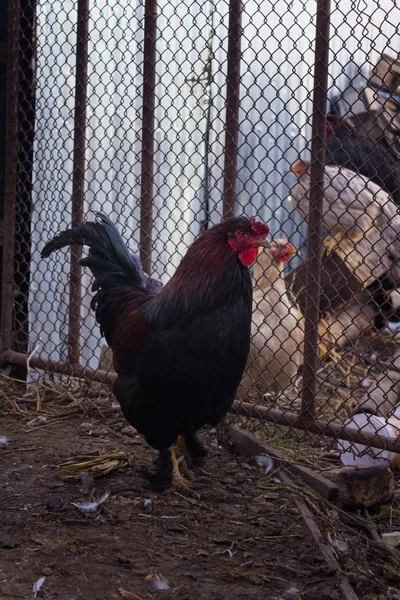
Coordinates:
[232,107]
[148,99]
[314,239]
[78,183]
[11,172]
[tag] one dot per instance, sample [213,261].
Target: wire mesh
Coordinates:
[161,154]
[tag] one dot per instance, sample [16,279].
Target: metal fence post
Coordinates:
[232,107]
[11,174]
[314,239]
[148,97]
[78,184]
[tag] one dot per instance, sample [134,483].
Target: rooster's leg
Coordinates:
[182,453]
[168,471]
[196,449]
[178,481]
[161,480]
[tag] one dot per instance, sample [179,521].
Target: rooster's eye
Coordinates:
[242,234]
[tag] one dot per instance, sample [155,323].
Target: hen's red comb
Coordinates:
[329,128]
[260,229]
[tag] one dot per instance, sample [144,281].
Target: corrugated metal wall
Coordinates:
[275,105]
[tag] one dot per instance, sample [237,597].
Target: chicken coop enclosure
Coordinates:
[169,115]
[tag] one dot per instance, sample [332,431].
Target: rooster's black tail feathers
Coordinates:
[117,272]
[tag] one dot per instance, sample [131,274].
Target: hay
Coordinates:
[97,466]
[53,399]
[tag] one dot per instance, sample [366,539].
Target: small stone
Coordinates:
[49,550]
[128,430]
[204,481]
[54,485]
[117,544]
[271,496]
[7,542]
[233,511]
[274,529]
[240,478]
[228,481]
[293,511]
[54,503]
[131,442]
[100,432]
[47,571]
[176,529]
[85,426]
[123,560]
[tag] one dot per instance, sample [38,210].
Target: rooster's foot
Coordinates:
[179,483]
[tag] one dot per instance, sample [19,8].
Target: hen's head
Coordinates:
[245,235]
[282,250]
[332,122]
[300,167]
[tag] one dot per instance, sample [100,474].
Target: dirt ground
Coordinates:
[240,540]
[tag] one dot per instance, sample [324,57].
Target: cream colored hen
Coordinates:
[361,220]
[276,349]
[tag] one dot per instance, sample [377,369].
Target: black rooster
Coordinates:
[179,350]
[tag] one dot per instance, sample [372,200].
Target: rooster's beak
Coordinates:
[261,243]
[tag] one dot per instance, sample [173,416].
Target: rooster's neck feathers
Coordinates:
[209,276]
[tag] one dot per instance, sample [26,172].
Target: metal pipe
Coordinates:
[11,173]
[148,131]
[17,358]
[253,411]
[232,107]
[332,429]
[78,183]
[314,239]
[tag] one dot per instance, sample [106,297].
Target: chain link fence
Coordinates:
[166,118]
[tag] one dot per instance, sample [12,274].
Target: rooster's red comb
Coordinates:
[260,229]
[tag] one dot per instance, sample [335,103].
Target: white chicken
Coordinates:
[276,349]
[361,220]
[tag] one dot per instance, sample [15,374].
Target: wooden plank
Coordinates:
[322,543]
[243,443]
